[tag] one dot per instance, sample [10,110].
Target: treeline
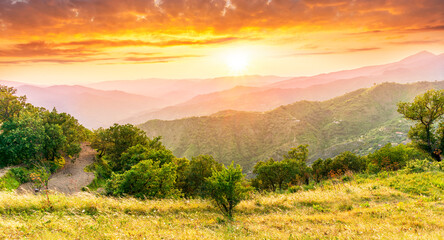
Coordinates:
[37,139]
[130,163]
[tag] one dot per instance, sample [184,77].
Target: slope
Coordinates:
[329,127]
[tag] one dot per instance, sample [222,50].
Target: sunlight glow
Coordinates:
[237,62]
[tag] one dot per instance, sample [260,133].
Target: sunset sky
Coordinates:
[81,41]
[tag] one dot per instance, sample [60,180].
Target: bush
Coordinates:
[147,179]
[21,174]
[390,158]
[418,166]
[226,188]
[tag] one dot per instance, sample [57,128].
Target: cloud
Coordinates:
[129,43]
[349,50]
[111,60]
[41,48]
[98,17]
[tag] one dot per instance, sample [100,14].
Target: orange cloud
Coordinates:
[90,17]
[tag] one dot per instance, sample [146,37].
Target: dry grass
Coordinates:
[366,210]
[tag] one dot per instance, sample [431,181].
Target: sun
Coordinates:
[237,62]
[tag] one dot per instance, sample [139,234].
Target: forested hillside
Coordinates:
[360,121]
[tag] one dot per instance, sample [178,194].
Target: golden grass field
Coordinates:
[364,208]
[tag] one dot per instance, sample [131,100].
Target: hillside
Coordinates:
[387,206]
[359,121]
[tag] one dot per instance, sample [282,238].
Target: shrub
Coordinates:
[21,174]
[147,179]
[226,188]
[389,158]
[418,166]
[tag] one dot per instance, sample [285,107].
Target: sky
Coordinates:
[84,41]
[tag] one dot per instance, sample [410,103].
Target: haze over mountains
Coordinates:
[360,121]
[423,66]
[136,101]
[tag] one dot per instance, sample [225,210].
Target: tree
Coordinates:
[299,153]
[146,179]
[292,169]
[390,158]
[427,110]
[226,190]
[73,132]
[272,174]
[21,139]
[135,154]
[54,142]
[10,105]
[199,169]
[117,139]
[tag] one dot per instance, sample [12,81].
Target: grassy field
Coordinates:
[385,206]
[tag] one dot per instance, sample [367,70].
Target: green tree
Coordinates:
[73,132]
[272,174]
[117,139]
[226,190]
[21,140]
[10,105]
[146,179]
[54,142]
[292,169]
[390,158]
[135,154]
[427,110]
[199,169]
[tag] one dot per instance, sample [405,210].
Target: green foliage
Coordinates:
[278,175]
[147,179]
[39,176]
[21,174]
[226,188]
[29,135]
[390,158]
[360,122]
[69,136]
[21,140]
[9,181]
[430,184]
[199,169]
[426,110]
[338,166]
[424,165]
[117,139]
[10,105]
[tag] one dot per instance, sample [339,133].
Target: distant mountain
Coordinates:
[359,121]
[11,83]
[176,91]
[423,66]
[93,108]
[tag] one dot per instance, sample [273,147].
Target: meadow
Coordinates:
[389,205]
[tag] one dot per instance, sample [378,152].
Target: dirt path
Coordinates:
[72,177]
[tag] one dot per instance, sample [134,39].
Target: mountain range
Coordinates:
[136,101]
[423,66]
[359,121]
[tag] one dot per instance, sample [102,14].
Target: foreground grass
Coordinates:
[386,207]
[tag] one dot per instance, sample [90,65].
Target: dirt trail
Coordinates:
[72,177]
